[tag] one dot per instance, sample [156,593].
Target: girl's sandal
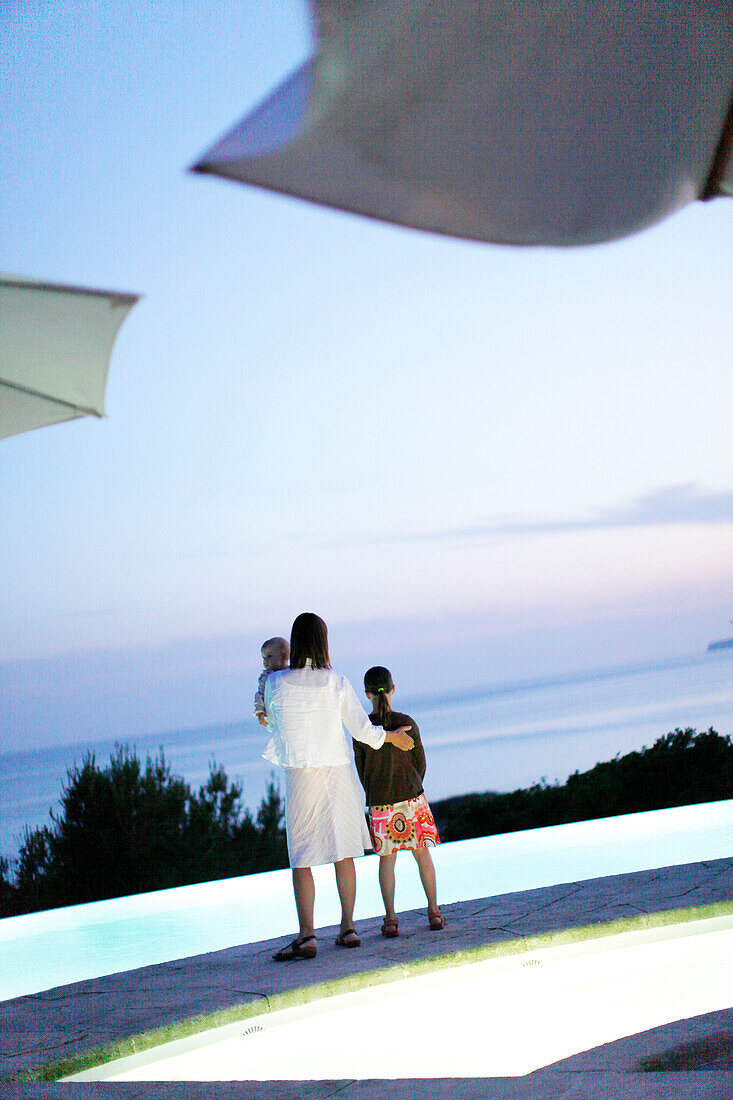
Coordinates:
[348,938]
[390,927]
[437,920]
[298,949]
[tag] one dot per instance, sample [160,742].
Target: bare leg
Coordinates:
[346,886]
[427,877]
[305,896]
[387,883]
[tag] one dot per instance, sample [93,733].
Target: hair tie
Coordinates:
[380,689]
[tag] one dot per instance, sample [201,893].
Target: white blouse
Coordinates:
[307,709]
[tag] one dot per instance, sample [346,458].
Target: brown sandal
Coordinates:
[390,927]
[298,949]
[348,938]
[437,920]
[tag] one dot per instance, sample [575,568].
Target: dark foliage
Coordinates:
[128,828]
[681,768]
[124,828]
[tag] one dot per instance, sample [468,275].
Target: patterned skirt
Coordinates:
[403,827]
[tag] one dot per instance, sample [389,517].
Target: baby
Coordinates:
[275,656]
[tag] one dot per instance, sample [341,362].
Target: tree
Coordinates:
[124,829]
[681,768]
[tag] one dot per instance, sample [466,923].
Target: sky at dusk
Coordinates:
[477,463]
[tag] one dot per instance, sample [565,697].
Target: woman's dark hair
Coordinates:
[309,638]
[378,681]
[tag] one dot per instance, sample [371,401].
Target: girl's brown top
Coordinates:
[389,775]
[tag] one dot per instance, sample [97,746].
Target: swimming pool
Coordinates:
[497,1018]
[42,950]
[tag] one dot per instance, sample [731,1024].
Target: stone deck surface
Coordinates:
[692,1058]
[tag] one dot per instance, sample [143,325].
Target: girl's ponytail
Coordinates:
[384,708]
[378,681]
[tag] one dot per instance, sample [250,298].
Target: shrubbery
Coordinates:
[127,828]
[681,768]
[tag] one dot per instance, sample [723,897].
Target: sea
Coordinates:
[498,738]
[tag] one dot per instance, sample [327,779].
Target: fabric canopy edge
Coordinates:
[25,282]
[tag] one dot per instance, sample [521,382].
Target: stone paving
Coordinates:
[57,1023]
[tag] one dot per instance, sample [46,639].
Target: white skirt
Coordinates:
[324,815]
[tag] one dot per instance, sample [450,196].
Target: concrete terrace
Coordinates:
[685,1058]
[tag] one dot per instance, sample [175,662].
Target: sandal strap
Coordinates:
[295,950]
[343,937]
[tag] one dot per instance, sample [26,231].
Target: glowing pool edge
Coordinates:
[303,995]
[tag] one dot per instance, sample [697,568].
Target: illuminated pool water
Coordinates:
[498,1018]
[42,950]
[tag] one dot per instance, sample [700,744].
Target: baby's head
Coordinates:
[275,654]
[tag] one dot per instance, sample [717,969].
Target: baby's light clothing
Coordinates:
[260,693]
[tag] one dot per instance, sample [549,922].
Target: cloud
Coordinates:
[675,504]
[93,613]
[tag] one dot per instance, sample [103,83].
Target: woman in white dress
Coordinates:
[307,707]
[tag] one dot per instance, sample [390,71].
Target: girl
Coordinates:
[399,815]
[307,707]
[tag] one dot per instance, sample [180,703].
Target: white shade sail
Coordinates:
[55,348]
[556,123]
